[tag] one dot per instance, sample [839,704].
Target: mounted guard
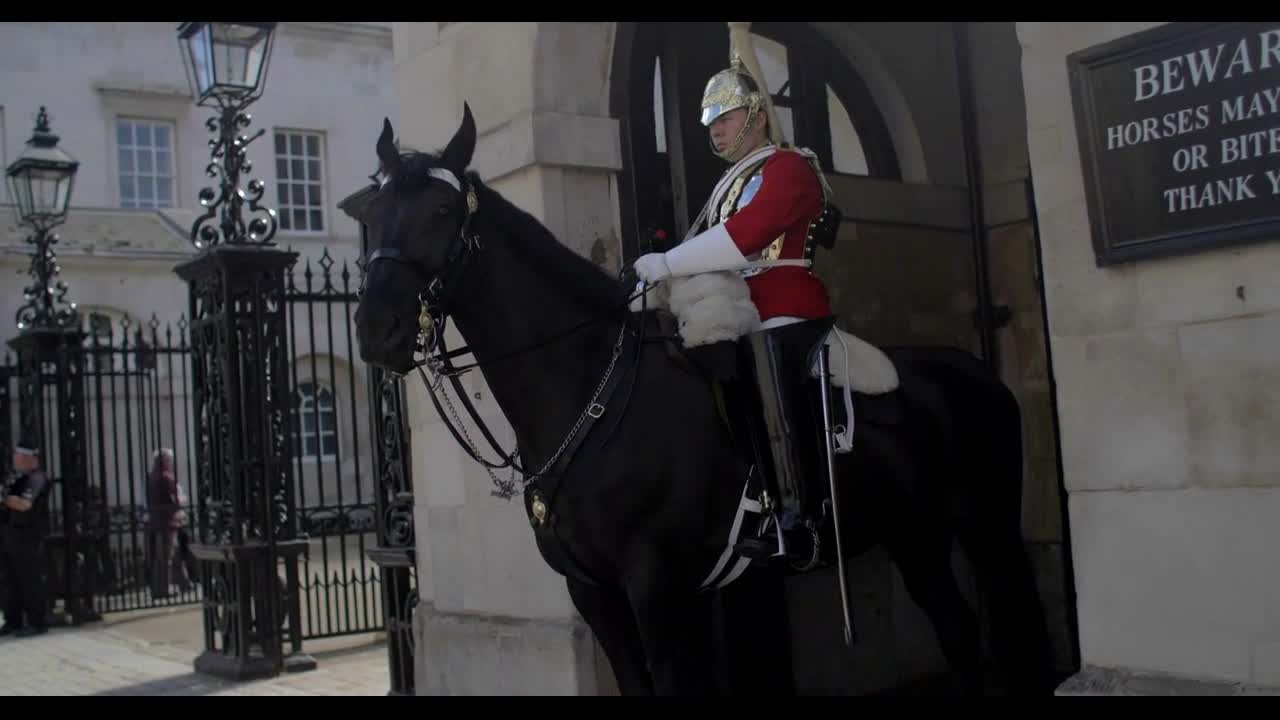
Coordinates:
[628,494]
[761,225]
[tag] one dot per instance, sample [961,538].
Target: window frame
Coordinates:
[637,48]
[281,204]
[4,158]
[818,65]
[300,434]
[153,121]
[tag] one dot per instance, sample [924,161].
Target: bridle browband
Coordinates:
[432,317]
[460,254]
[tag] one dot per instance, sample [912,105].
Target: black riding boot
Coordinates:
[785,438]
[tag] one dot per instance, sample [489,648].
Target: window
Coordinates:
[315,432]
[847,155]
[4,158]
[145,163]
[774,63]
[115,342]
[798,87]
[659,112]
[299,183]
[100,342]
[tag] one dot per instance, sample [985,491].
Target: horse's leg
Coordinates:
[675,626]
[989,465]
[757,638]
[1019,633]
[924,560]
[609,615]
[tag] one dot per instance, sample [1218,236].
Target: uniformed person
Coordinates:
[759,221]
[23,516]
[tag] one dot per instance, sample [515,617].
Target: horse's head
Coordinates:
[418,241]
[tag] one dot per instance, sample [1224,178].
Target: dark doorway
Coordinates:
[906,269]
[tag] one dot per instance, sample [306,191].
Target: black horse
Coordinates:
[643,507]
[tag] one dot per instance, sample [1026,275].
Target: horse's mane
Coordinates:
[586,282]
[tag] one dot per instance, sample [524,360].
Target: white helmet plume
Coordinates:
[741,48]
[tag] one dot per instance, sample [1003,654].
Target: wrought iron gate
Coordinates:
[340,586]
[395,552]
[137,386]
[134,383]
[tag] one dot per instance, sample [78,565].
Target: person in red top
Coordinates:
[760,221]
[759,213]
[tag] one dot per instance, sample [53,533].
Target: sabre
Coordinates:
[828,434]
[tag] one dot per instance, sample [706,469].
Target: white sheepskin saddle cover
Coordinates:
[716,306]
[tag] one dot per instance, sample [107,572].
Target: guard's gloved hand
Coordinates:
[637,300]
[652,267]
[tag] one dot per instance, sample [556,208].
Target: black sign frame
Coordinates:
[1109,249]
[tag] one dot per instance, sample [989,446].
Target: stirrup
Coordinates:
[815,553]
[759,547]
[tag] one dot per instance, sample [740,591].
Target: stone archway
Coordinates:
[931,254]
[557,112]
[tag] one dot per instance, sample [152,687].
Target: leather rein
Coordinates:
[438,358]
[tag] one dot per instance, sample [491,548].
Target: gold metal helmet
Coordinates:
[740,85]
[728,90]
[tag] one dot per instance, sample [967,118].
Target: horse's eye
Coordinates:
[444,209]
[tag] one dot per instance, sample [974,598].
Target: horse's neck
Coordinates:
[542,392]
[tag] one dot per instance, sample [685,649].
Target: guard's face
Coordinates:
[725,128]
[23,462]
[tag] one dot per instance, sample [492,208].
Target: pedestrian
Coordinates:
[166,518]
[23,526]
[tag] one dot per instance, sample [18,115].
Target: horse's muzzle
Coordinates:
[385,340]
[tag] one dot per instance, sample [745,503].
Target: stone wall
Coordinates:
[496,618]
[1168,410]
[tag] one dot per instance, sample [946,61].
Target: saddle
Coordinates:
[865,376]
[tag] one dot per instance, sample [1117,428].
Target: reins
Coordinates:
[432,319]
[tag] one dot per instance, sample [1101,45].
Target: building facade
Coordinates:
[118,98]
[954,155]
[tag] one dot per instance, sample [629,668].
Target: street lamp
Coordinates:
[226,66]
[246,525]
[51,356]
[40,181]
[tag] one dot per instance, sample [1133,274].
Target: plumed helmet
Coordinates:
[740,85]
[730,89]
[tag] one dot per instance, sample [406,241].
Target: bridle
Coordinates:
[438,359]
[461,253]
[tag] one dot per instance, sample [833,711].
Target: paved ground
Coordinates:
[151,652]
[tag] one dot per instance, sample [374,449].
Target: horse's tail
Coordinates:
[987,439]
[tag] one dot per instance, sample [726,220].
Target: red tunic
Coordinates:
[789,198]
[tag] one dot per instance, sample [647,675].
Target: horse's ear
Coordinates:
[457,155]
[388,155]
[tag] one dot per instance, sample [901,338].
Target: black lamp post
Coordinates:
[245,515]
[227,67]
[51,365]
[40,181]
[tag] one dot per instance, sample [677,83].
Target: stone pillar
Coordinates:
[1168,388]
[493,618]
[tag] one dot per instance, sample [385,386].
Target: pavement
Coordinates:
[150,652]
